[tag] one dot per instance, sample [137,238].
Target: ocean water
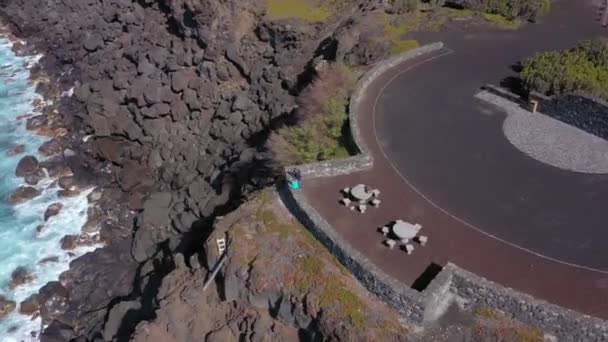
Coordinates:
[19,243]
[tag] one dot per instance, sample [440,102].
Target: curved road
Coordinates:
[451,148]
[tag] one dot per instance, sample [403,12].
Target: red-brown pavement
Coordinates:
[449,239]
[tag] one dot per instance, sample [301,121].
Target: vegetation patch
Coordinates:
[307,10]
[399,46]
[493,324]
[582,69]
[333,295]
[510,9]
[501,22]
[321,131]
[486,313]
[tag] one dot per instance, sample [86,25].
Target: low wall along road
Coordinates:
[415,306]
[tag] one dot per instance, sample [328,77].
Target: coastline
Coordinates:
[57,180]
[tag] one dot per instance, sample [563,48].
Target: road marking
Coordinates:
[467,224]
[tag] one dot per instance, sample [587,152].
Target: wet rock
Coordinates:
[66,182]
[30,305]
[49,260]
[35,178]
[72,192]
[50,148]
[53,301]
[6,306]
[36,122]
[16,150]
[52,210]
[69,242]
[95,195]
[20,276]
[27,165]
[93,223]
[40,228]
[56,168]
[23,194]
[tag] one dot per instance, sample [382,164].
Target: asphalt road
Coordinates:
[451,148]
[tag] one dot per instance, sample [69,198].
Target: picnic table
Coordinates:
[405,230]
[361,192]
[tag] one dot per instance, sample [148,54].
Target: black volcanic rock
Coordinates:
[6,306]
[35,177]
[36,122]
[52,210]
[51,148]
[20,276]
[30,305]
[168,94]
[27,165]
[22,194]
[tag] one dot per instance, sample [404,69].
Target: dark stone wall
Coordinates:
[588,114]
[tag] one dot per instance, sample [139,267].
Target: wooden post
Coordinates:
[533,106]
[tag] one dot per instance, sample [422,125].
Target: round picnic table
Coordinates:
[360,192]
[404,230]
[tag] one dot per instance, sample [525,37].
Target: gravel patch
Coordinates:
[551,141]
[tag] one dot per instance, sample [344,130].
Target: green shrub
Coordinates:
[510,9]
[399,45]
[583,69]
[322,117]
[500,21]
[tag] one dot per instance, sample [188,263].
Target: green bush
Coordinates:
[583,69]
[510,9]
[319,132]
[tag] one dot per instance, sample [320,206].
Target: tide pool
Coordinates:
[19,243]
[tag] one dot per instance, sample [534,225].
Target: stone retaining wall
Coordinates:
[587,113]
[564,323]
[408,302]
[416,306]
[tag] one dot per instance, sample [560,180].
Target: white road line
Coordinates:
[435,204]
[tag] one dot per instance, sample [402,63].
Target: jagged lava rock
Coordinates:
[22,194]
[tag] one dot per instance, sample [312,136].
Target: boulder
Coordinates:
[71,192]
[66,182]
[179,81]
[30,305]
[37,122]
[27,165]
[16,150]
[50,148]
[93,223]
[22,194]
[48,260]
[20,276]
[56,168]
[242,103]
[52,210]
[40,228]
[6,306]
[35,178]
[69,242]
[93,42]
